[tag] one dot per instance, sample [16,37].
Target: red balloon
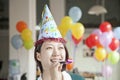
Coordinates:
[88,42]
[76,41]
[114,44]
[20,26]
[105,27]
[94,39]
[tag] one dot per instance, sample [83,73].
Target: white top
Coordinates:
[66,76]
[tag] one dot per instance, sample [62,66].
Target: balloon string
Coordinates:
[107,72]
[74,53]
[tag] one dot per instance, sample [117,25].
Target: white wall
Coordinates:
[57,9]
[23,10]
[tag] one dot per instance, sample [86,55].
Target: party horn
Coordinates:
[66,62]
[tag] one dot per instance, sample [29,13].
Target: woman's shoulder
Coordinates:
[66,76]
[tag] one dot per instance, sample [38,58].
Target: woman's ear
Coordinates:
[38,56]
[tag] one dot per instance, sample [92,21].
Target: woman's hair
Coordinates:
[38,49]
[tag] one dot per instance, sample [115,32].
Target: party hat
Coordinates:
[48,28]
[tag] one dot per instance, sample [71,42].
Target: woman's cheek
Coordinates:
[63,54]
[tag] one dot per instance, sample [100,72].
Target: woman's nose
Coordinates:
[55,53]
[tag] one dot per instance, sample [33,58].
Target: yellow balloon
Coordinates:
[77,30]
[26,34]
[65,25]
[28,44]
[100,54]
[66,20]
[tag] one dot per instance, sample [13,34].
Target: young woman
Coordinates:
[48,54]
[51,53]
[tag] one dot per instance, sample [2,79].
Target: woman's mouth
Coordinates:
[56,60]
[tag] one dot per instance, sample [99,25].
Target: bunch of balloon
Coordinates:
[77,29]
[105,43]
[26,34]
[73,31]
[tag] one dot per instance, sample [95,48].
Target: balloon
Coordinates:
[26,34]
[100,54]
[88,42]
[116,32]
[98,45]
[105,26]
[65,25]
[114,44]
[97,32]
[17,41]
[110,33]
[77,30]
[75,13]
[28,44]
[20,26]
[94,39]
[113,57]
[69,66]
[106,71]
[105,39]
[76,41]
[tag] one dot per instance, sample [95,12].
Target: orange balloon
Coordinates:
[99,45]
[20,26]
[69,66]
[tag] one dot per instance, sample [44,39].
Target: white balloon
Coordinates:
[75,13]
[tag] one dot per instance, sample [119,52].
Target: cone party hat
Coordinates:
[48,28]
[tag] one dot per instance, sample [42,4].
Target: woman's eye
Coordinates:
[61,48]
[49,48]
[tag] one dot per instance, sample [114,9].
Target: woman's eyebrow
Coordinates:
[48,44]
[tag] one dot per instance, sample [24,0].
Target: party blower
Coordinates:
[66,62]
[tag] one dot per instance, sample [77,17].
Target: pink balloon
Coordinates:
[97,32]
[106,71]
[105,39]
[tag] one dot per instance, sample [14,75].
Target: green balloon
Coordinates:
[113,57]
[28,44]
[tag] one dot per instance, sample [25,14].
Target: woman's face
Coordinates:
[51,52]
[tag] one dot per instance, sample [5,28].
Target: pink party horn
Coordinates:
[66,62]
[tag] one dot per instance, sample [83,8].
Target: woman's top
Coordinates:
[66,76]
[69,76]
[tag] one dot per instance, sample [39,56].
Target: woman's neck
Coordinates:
[46,75]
